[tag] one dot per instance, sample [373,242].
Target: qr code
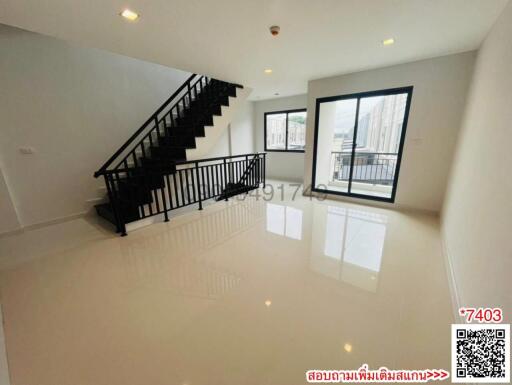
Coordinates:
[481,353]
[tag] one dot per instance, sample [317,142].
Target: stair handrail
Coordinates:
[102,169]
[203,160]
[249,168]
[199,161]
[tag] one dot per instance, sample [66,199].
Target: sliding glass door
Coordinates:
[358,143]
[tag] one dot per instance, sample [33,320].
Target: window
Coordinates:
[285,130]
[359,140]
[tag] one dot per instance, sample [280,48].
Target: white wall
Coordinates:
[8,216]
[242,136]
[438,100]
[221,148]
[75,106]
[286,166]
[239,137]
[215,133]
[477,214]
[325,142]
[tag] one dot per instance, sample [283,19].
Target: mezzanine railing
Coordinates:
[144,192]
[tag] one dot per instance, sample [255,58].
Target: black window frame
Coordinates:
[286,132]
[359,95]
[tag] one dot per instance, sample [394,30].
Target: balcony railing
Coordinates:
[369,167]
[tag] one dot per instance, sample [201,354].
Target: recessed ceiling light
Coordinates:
[268,71]
[389,41]
[129,15]
[348,348]
[268,303]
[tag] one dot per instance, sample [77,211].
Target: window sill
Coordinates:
[293,151]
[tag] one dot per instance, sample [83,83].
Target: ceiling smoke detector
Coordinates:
[274,30]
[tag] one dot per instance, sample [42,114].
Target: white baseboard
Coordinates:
[44,223]
[372,203]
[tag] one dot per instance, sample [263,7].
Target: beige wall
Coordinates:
[477,214]
[438,100]
[75,107]
[286,166]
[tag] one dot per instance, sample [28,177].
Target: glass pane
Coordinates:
[379,130]
[276,131]
[334,144]
[296,130]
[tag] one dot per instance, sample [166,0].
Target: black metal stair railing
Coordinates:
[244,179]
[169,118]
[157,191]
[149,174]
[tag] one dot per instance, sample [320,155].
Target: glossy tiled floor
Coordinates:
[248,292]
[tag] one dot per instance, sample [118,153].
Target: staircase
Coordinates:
[150,174]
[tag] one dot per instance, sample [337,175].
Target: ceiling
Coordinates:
[230,40]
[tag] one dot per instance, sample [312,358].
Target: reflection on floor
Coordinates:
[353,243]
[284,220]
[187,274]
[245,292]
